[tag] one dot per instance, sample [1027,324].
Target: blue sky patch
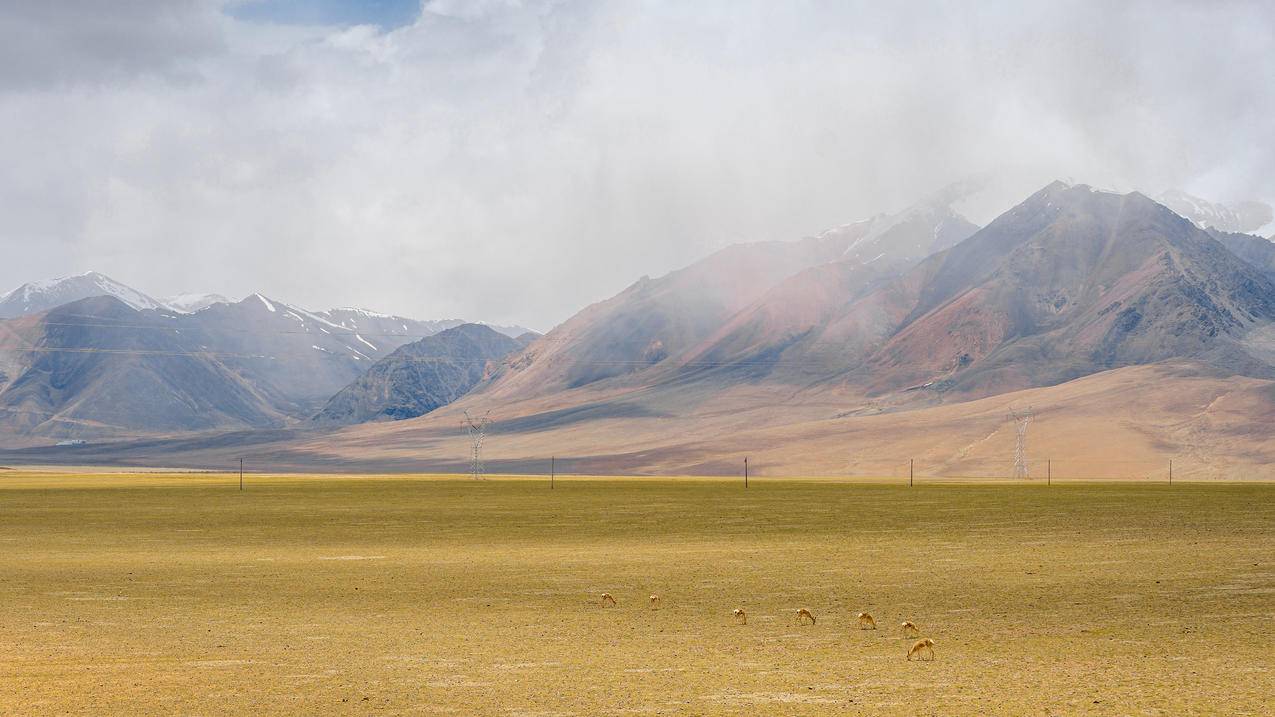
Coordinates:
[386,14]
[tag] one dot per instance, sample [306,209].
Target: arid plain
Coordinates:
[178,593]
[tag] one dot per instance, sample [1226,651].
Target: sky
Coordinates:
[515,160]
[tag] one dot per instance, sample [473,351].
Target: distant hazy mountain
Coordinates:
[373,323]
[298,358]
[1238,217]
[96,366]
[895,241]
[190,303]
[421,376]
[38,296]
[99,367]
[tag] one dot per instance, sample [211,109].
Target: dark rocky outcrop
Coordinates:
[421,376]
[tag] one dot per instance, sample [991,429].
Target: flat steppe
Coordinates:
[179,594]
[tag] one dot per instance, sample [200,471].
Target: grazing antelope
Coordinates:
[923,646]
[741,617]
[866,622]
[802,614]
[606,598]
[909,630]
[655,602]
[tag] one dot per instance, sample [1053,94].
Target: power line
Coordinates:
[815,349]
[441,359]
[445,359]
[133,352]
[345,331]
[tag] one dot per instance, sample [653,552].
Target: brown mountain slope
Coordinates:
[1255,250]
[656,318]
[789,312]
[1069,283]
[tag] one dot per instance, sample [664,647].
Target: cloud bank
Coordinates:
[513,161]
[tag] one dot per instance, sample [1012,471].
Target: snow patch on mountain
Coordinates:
[266,302]
[190,303]
[1242,217]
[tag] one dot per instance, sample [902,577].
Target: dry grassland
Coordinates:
[178,594]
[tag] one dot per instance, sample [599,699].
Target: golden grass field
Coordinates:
[179,594]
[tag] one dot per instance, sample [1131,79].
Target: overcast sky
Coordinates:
[514,161]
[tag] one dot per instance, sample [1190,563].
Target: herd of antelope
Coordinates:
[921,650]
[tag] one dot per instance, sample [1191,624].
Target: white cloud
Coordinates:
[513,161]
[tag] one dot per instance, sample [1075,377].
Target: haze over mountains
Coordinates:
[1069,283]
[1076,300]
[784,350]
[119,363]
[655,321]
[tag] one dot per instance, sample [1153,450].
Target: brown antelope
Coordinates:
[607,599]
[803,614]
[655,602]
[866,622]
[909,630]
[741,617]
[923,646]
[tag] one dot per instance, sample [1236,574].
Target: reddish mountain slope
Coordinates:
[1069,283]
[645,330]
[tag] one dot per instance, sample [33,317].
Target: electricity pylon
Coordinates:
[477,432]
[1021,419]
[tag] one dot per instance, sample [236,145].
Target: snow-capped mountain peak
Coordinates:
[36,296]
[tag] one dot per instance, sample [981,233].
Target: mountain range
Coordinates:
[1069,283]
[121,364]
[1135,332]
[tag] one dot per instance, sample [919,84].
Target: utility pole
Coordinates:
[1049,472]
[745,471]
[1170,471]
[911,470]
[240,474]
[551,471]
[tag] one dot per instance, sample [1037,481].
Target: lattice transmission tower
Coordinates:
[477,432]
[1021,420]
